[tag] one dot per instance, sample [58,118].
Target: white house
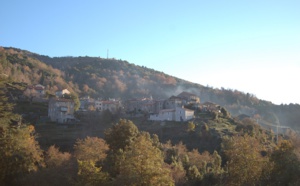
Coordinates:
[164,115]
[177,114]
[183,114]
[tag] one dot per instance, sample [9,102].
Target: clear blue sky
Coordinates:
[252,46]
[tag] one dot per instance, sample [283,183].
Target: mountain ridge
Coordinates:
[107,78]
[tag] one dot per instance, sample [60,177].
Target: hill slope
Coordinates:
[105,78]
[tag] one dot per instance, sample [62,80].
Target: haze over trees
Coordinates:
[216,150]
[138,158]
[106,78]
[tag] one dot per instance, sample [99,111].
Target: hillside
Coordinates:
[106,78]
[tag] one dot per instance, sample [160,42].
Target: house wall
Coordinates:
[158,106]
[178,114]
[112,106]
[60,110]
[172,104]
[163,115]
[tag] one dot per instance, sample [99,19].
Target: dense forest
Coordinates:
[214,149]
[107,78]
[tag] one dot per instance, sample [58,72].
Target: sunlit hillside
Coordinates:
[112,78]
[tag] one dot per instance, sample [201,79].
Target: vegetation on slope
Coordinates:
[106,78]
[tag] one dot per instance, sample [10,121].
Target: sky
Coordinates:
[250,46]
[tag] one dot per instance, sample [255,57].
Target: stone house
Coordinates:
[189,98]
[35,91]
[112,105]
[61,110]
[174,102]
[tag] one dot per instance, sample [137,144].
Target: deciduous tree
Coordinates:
[244,160]
[143,164]
[90,149]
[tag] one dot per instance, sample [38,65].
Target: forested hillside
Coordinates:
[214,149]
[106,78]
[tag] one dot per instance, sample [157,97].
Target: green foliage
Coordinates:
[193,174]
[89,174]
[191,126]
[198,168]
[225,113]
[121,134]
[19,151]
[75,98]
[285,167]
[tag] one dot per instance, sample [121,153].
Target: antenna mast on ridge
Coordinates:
[107,53]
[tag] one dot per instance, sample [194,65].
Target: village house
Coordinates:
[61,110]
[112,105]
[86,103]
[189,98]
[163,115]
[177,114]
[60,93]
[148,107]
[173,102]
[140,105]
[35,91]
[158,105]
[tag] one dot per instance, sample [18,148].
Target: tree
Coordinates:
[90,153]
[286,165]
[55,158]
[143,164]
[90,149]
[90,174]
[178,173]
[20,152]
[118,137]
[191,126]
[225,113]
[244,160]
[60,169]
[121,135]
[193,175]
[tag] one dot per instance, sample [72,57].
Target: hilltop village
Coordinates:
[61,108]
[53,137]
